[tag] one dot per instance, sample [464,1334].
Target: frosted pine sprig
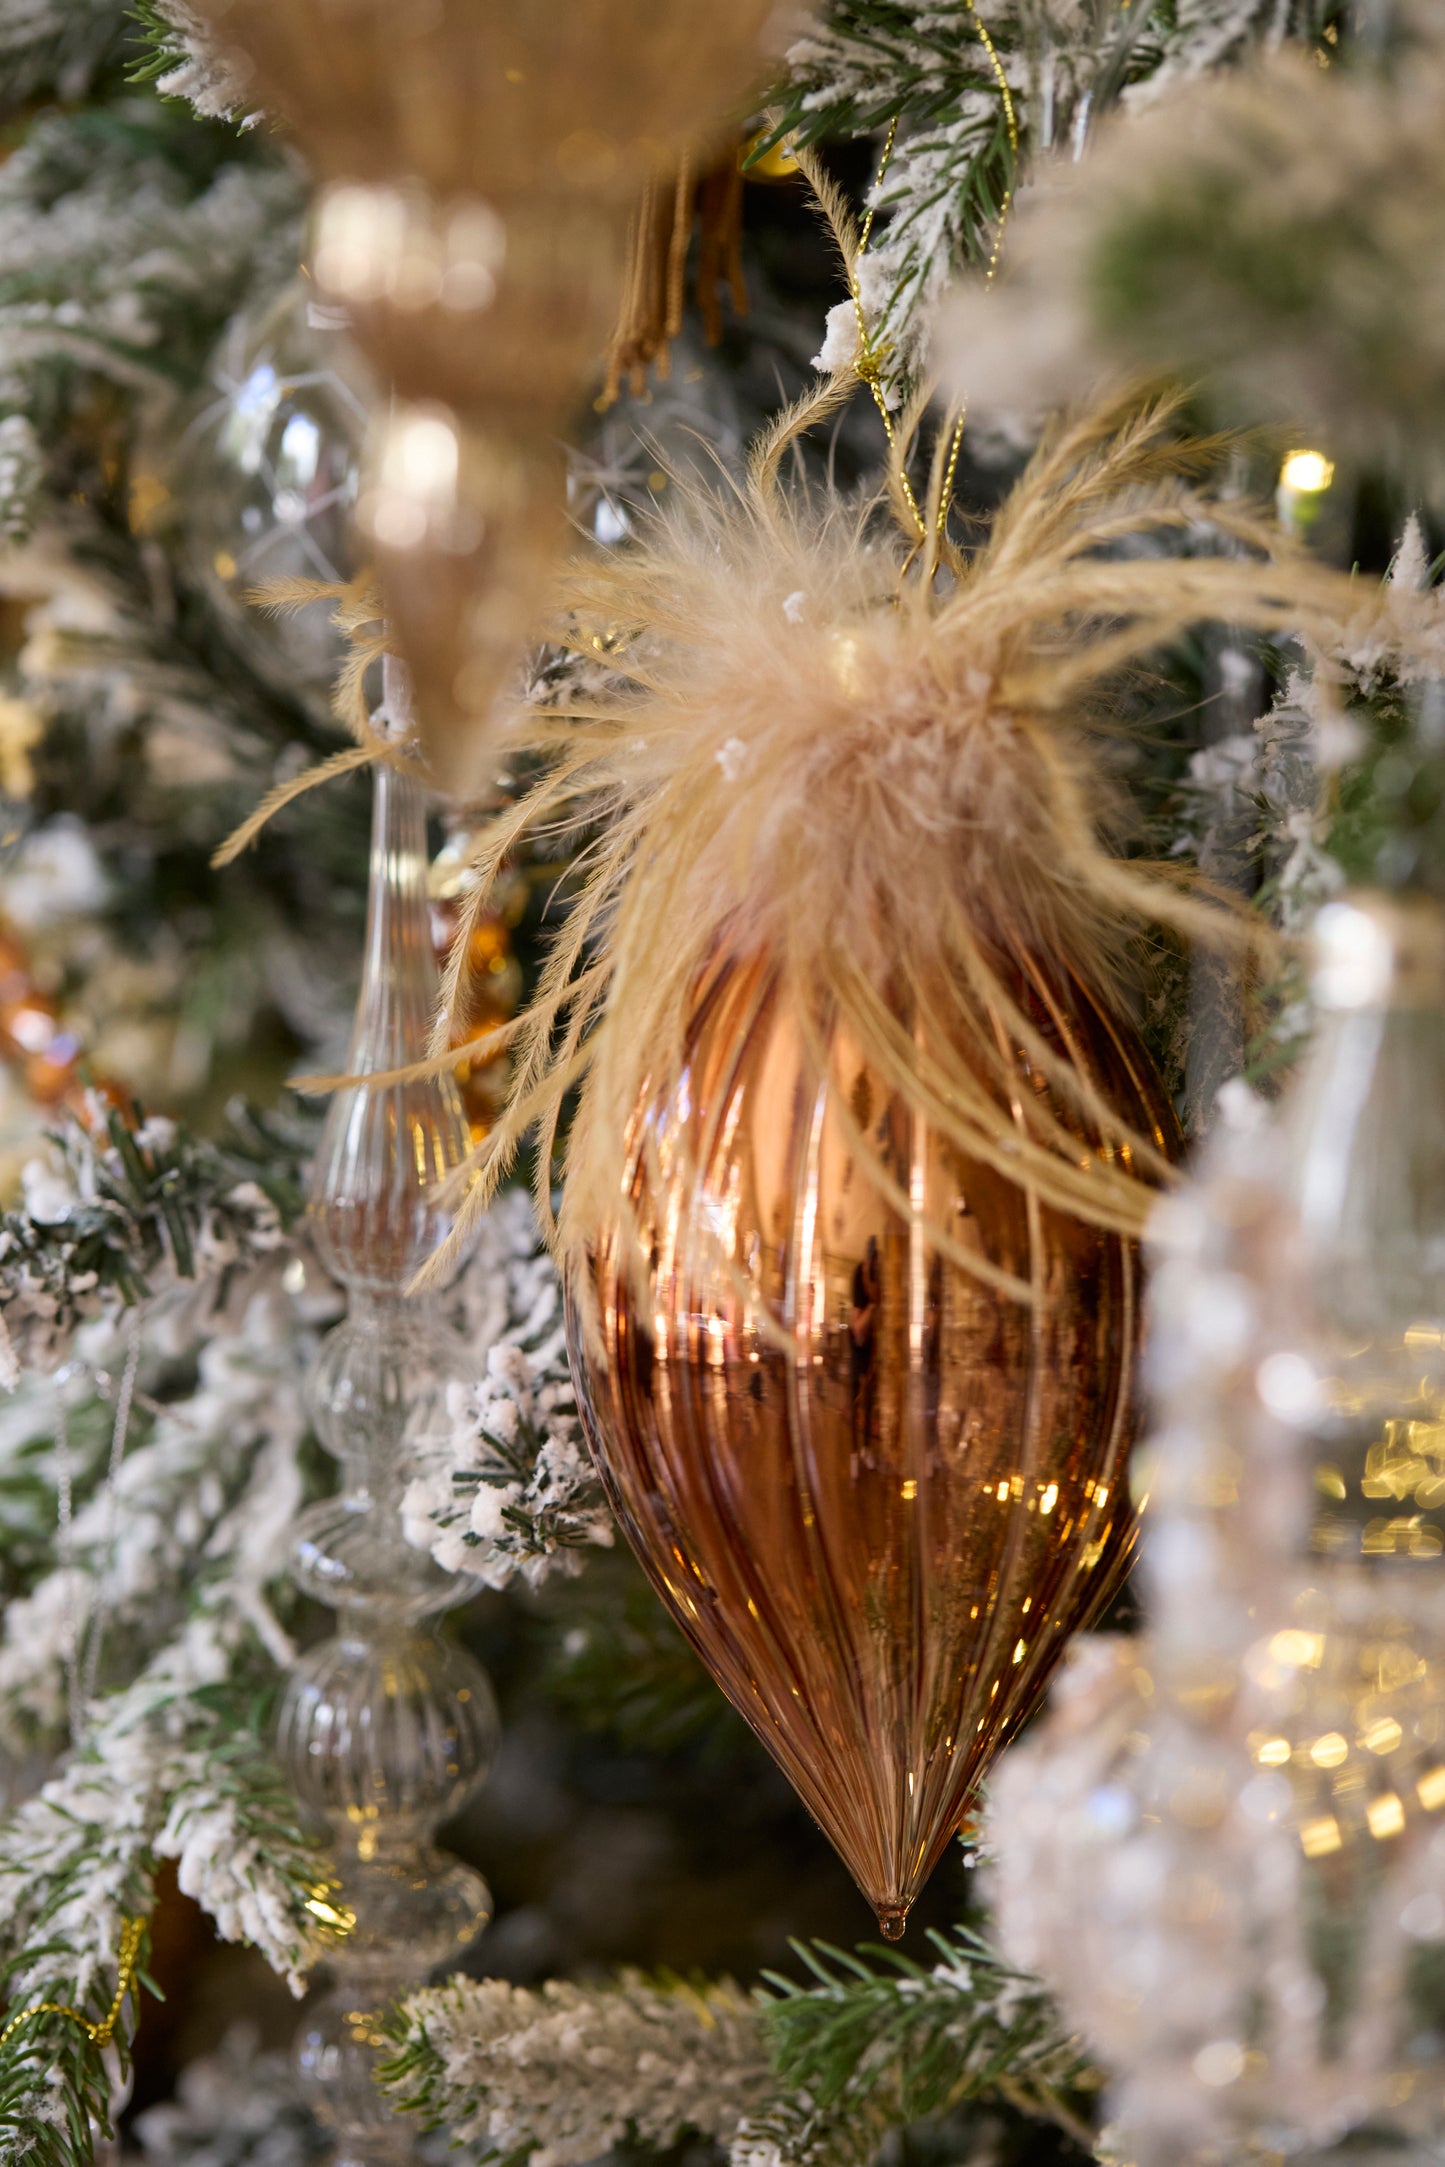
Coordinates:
[175,1769]
[510,1492]
[563,2073]
[184,61]
[107,244]
[198,1516]
[811,2074]
[1296,798]
[114,1214]
[878,2037]
[55,45]
[921,65]
[513,1493]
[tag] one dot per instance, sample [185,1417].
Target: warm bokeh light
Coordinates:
[1308,472]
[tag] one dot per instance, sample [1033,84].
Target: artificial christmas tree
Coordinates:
[163,1291]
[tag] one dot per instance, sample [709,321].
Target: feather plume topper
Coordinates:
[800,742]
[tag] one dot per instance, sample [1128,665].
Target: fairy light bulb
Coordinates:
[1305,480]
[1309,473]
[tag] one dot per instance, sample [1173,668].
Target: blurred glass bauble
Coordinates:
[261,483]
[1227,1860]
[876,1490]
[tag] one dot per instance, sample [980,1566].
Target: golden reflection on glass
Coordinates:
[878,1533]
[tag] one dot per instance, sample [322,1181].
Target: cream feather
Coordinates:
[889,784]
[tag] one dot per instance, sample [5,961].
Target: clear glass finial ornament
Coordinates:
[1227,1850]
[385,1729]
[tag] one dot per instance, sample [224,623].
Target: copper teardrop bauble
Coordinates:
[879,1539]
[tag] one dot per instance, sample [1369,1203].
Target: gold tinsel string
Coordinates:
[132,1933]
[870,363]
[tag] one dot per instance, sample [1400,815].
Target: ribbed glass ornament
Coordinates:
[385,1729]
[388,1735]
[875,1491]
[376,1208]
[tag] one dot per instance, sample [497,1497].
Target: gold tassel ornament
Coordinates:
[653,288]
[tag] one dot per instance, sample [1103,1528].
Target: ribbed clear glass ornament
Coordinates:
[387,1736]
[377,1208]
[385,1729]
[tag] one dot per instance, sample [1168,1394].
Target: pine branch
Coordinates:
[175,1769]
[116,1213]
[55,2093]
[498,2065]
[128,236]
[1340,782]
[58,45]
[816,2073]
[179,55]
[195,1521]
[923,67]
[876,62]
[878,2040]
[509,1491]
[159,735]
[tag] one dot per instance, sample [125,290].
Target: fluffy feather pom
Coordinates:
[805,744]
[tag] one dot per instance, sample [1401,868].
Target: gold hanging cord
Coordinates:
[869,365]
[132,1933]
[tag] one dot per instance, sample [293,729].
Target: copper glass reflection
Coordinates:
[877,1538]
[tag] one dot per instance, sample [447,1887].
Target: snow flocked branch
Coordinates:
[1340,782]
[194,1518]
[183,60]
[925,65]
[510,1491]
[127,239]
[816,2072]
[172,1764]
[57,45]
[173,1556]
[1174,250]
[173,1768]
[197,1512]
[115,1213]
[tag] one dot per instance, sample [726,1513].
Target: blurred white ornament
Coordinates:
[264,481]
[1226,1849]
[51,874]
